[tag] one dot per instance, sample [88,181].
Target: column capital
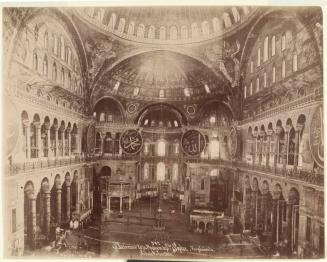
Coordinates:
[288,128]
[37,124]
[278,130]
[299,127]
[270,132]
[26,123]
[47,126]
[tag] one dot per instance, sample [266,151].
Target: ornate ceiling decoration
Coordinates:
[166,25]
[161,75]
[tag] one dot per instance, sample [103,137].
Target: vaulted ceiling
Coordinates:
[162,75]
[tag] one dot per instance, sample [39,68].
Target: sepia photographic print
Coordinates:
[163,132]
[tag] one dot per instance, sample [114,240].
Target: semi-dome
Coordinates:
[162,75]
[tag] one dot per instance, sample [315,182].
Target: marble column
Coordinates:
[129,203]
[109,202]
[69,143]
[289,223]
[38,140]
[277,134]
[58,204]
[102,137]
[62,142]
[56,147]
[32,239]
[287,133]
[48,142]
[269,134]
[47,213]
[121,199]
[68,201]
[298,130]
[27,142]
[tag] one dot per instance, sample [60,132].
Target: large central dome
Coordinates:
[174,24]
[161,75]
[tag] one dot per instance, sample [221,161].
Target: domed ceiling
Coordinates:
[161,75]
[174,24]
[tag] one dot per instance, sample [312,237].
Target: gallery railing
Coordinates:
[292,173]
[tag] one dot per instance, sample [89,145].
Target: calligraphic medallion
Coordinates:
[12,125]
[233,139]
[90,139]
[131,141]
[193,142]
[317,136]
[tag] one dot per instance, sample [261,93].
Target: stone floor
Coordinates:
[134,236]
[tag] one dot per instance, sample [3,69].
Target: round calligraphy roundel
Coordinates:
[317,136]
[193,142]
[131,141]
[90,139]
[12,125]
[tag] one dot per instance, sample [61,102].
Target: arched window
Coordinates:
[146,171]
[214,148]
[66,54]
[121,25]
[175,173]
[151,32]
[194,29]
[140,31]
[173,33]
[62,47]
[259,57]
[69,80]
[251,66]
[273,45]
[283,68]
[161,171]
[46,40]
[294,60]
[245,10]
[258,84]
[274,74]
[202,183]
[161,148]
[212,120]
[184,32]
[35,62]
[131,27]
[112,21]
[58,53]
[162,33]
[98,143]
[102,117]
[205,28]
[283,41]
[161,93]
[55,45]
[265,49]
[54,71]
[216,25]
[187,92]
[227,20]
[62,76]
[45,65]
[236,14]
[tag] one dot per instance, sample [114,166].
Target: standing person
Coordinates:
[75,224]
[71,224]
